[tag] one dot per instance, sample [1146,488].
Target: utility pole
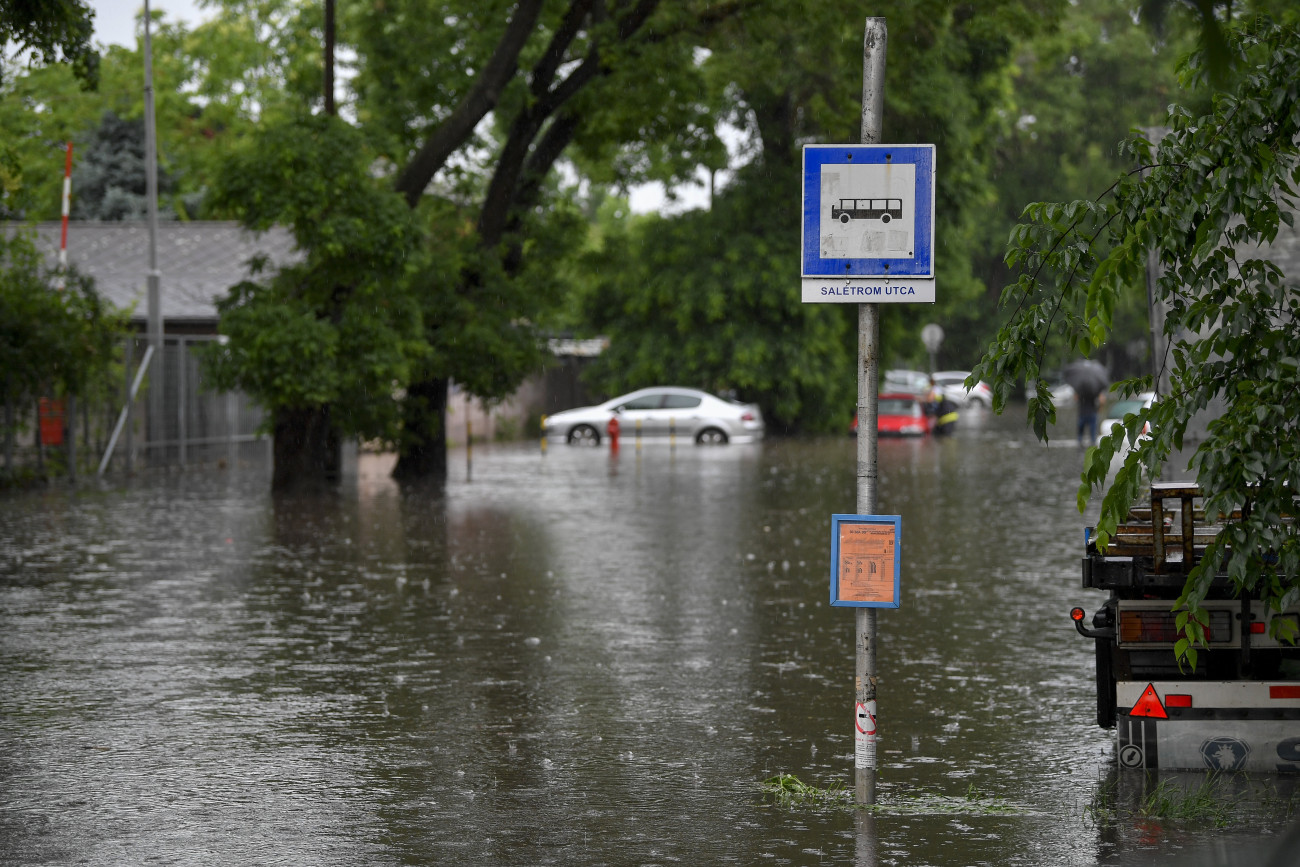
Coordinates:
[329,57]
[154,300]
[873,105]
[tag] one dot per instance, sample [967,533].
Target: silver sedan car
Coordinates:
[658,413]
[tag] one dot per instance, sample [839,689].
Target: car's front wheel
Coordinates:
[584,435]
[711,437]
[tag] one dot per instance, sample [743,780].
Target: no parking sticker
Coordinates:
[864,735]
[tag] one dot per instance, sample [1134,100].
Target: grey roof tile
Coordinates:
[197,261]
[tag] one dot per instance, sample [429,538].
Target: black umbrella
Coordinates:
[1087,378]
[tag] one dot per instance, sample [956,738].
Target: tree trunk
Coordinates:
[424,445]
[306,448]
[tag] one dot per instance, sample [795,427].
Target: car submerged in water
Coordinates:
[900,414]
[952,385]
[660,413]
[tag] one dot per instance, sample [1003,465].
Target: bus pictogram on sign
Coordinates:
[883,210]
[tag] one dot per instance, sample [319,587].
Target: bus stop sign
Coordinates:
[868,223]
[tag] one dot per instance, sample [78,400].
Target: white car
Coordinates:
[952,385]
[1114,411]
[658,413]
[906,382]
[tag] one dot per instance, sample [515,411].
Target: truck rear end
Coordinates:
[1239,708]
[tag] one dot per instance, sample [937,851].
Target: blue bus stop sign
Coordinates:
[868,223]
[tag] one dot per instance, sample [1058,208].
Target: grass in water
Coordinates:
[787,790]
[1201,803]
[1216,800]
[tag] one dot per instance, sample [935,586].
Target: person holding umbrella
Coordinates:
[1090,380]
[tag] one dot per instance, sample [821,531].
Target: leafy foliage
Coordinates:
[1078,91]
[51,342]
[1208,200]
[110,177]
[711,298]
[54,31]
[483,319]
[341,328]
[695,300]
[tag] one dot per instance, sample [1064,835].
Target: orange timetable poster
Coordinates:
[865,567]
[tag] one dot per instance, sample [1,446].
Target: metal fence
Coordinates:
[121,429]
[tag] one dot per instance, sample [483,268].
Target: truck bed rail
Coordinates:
[1146,553]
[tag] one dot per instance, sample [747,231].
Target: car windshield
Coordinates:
[897,406]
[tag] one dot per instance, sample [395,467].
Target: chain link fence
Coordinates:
[163,415]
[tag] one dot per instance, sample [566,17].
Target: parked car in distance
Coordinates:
[658,413]
[905,381]
[952,385]
[1115,409]
[902,415]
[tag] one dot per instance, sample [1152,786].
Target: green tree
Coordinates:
[110,177]
[253,61]
[324,345]
[1078,91]
[587,76]
[55,33]
[784,80]
[692,300]
[49,32]
[53,343]
[1218,189]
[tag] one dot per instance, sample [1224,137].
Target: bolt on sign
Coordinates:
[866,561]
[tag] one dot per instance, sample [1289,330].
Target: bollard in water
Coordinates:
[543,435]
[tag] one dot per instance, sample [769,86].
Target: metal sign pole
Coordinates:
[864,762]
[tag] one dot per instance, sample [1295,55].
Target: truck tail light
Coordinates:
[1160,627]
[1176,700]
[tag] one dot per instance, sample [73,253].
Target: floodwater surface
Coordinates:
[565,657]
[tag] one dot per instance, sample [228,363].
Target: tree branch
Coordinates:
[481,99]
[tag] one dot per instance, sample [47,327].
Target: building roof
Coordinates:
[198,261]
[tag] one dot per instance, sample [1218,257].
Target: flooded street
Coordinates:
[566,658]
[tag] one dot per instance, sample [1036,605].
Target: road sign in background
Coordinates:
[868,223]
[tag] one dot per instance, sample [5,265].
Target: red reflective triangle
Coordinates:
[1149,704]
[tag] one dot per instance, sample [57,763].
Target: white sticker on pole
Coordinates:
[864,735]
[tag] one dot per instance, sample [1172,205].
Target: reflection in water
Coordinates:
[580,657]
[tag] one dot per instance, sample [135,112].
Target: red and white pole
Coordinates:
[61,282]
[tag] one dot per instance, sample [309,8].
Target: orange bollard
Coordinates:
[612,430]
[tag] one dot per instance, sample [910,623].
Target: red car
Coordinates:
[900,415]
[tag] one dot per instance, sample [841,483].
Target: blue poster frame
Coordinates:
[921,265]
[896,521]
